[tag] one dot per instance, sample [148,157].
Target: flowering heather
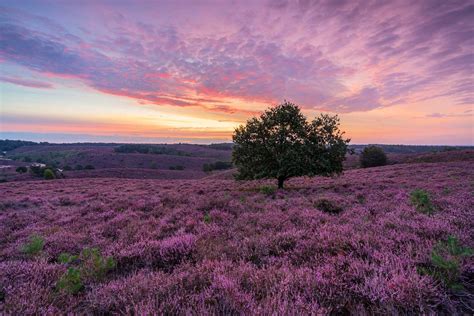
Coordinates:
[224,247]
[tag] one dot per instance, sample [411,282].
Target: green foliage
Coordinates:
[71,281]
[21,169]
[67,168]
[218,165]
[34,245]
[37,170]
[153,166]
[48,174]
[27,159]
[446,259]
[7,145]
[89,167]
[94,265]
[207,218]
[66,258]
[88,265]
[281,144]
[328,206]
[422,201]
[373,156]
[267,189]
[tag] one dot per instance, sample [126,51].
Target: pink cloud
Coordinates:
[27,83]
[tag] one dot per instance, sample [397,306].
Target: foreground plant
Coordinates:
[446,260]
[422,201]
[88,265]
[34,245]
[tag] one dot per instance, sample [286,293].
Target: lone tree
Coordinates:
[282,144]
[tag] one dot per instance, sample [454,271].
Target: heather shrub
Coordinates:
[48,174]
[177,167]
[267,189]
[34,245]
[89,167]
[21,169]
[65,201]
[373,156]
[446,260]
[79,167]
[328,206]
[67,168]
[422,201]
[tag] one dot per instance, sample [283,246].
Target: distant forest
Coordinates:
[167,149]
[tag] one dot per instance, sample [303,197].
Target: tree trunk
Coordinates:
[280,182]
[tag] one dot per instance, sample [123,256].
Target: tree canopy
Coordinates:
[281,144]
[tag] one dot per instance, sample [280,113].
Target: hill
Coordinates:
[324,245]
[177,161]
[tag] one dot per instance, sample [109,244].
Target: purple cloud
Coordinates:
[313,53]
[27,83]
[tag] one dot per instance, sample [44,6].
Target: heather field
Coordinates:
[355,244]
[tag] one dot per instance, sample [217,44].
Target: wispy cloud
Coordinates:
[27,82]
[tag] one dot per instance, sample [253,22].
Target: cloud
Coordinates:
[442,115]
[27,83]
[341,56]
[366,99]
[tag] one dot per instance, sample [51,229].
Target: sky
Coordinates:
[396,72]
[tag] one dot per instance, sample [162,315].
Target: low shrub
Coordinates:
[328,206]
[218,165]
[207,218]
[34,245]
[267,189]
[446,259]
[79,167]
[67,168]
[373,156]
[88,265]
[70,282]
[37,171]
[421,200]
[21,169]
[48,174]
[89,167]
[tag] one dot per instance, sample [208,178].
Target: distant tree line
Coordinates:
[221,146]
[150,149]
[7,145]
[218,165]
[409,149]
